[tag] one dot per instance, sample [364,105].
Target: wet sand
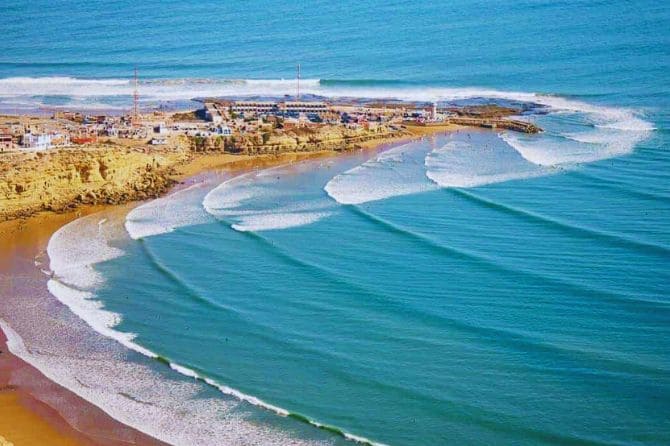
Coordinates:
[33,409]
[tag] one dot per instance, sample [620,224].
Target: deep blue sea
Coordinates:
[471,288]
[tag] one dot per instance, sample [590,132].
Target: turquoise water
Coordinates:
[472,288]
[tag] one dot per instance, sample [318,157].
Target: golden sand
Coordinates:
[21,426]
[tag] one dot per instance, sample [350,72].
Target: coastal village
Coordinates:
[60,160]
[241,126]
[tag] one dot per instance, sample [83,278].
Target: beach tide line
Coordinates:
[103,322]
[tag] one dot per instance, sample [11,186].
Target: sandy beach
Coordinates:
[35,410]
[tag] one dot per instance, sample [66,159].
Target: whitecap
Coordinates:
[277,220]
[77,246]
[134,393]
[259,201]
[398,171]
[165,214]
[464,164]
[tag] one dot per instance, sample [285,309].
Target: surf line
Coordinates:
[260,403]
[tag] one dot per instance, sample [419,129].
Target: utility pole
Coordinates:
[136,100]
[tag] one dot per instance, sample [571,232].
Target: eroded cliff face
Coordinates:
[61,179]
[294,140]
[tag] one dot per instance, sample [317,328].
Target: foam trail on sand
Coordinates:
[170,410]
[91,311]
[73,251]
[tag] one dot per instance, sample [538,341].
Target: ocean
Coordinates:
[477,287]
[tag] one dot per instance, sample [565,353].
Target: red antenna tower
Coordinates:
[136,99]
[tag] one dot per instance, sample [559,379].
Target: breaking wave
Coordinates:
[396,172]
[74,252]
[277,220]
[165,214]
[463,164]
[575,133]
[251,202]
[118,92]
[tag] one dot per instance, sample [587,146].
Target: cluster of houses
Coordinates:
[247,116]
[217,118]
[18,135]
[66,129]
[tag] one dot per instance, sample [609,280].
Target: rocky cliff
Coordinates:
[61,179]
[302,139]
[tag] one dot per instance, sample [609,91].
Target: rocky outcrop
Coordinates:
[302,139]
[59,180]
[493,123]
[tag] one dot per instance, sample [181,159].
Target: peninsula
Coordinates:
[59,162]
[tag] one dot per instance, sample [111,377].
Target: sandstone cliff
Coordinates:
[304,139]
[61,179]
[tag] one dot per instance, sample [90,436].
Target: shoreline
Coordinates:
[64,179]
[25,238]
[34,409]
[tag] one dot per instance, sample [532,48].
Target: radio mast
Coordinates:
[298,95]
[136,100]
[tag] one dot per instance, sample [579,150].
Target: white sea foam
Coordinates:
[165,214]
[105,93]
[609,132]
[73,251]
[181,89]
[398,171]
[170,410]
[277,220]
[85,306]
[72,261]
[256,202]
[573,148]
[464,164]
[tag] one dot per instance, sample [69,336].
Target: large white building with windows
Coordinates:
[303,107]
[279,107]
[254,107]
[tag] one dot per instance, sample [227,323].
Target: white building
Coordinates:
[36,142]
[254,106]
[6,142]
[161,129]
[303,107]
[225,130]
[212,113]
